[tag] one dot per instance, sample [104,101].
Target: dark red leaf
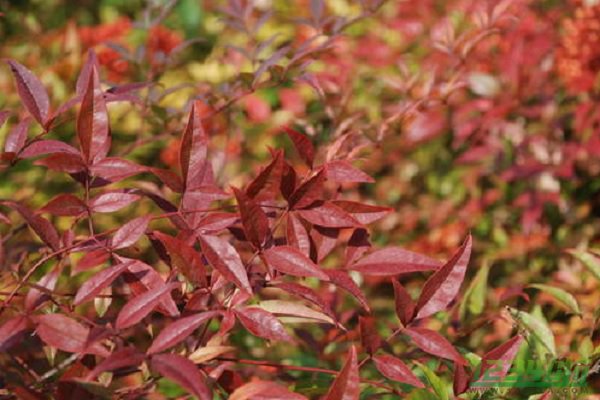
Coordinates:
[184,258]
[303,145]
[65,205]
[343,280]
[392,261]
[346,385]
[363,213]
[170,179]
[193,150]
[224,258]
[83,79]
[287,186]
[405,306]
[63,162]
[66,334]
[394,369]
[115,169]
[343,171]
[266,184]
[292,261]
[297,235]
[505,353]
[216,222]
[129,233]
[357,245]
[370,339]
[41,226]
[127,357]
[15,140]
[32,92]
[433,343]
[112,201]
[461,379]
[254,220]
[41,147]
[92,259]
[183,372]
[179,330]
[264,390]
[94,285]
[307,294]
[325,213]
[443,286]
[309,192]
[37,296]
[92,121]
[138,307]
[262,323]
[11,331]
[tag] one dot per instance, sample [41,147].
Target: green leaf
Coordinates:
[439,386]
[537,328]
[589,260]
[474,300]
[559,294]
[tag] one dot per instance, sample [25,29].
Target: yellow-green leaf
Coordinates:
[559,294]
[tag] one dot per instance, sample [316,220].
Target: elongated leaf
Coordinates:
[307,294]
[363,213]
[589,260]
[327,214]
[115,169]
[184,258]
[343,171]
[346,385]
[138,307]
[63,162]
[193,150]
[15,140]
[32,92]
[292,261]
[91,63]
[559,294]
[303,145]
[537,327]
[4,115]
[392,261]
[433,343]
[505,353]
[41,147]
[294,309]
[443,286]
[92,121]
[129,233]
[266,183]
[435,382]
[297,235]
[392,368]
[41,226]
[307,193]
[183,372]
[204,354]
[36,296]
[179,330]
[254,220]
[94,285]
[112,201]
[343,280]
[461,380]
[216,222]
[127,357]
[65,205]
[66,334]
[474,299]
[11,331]
[262,323]
[405,306]
[225,259]
[264,390]
[369,337]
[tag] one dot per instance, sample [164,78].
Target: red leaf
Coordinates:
[370,339]
[263,390]
[505,353]
[343,171]
[328,215]
[267,181]
[224,258]
[41,147]
[170,179]
[63,162]
[36,297]
[291,261]
[358,244]
[65,334]
[307,294]
[262,323]
[433,343]
[179,330]
[303,145]
[184,258]
[254,220]
[112,201]
[363,213]
[288,180]
[11,331]
[41,226]
[92,259]
[394,369]
[343,280]
[92,121]
[31,91]
[15,140]
[115,169]
[4,115]
[216,222]
[405,306]
[309,192]
[65,205]
[193,150]
[392,261]
[94,285]
[183,372]
[461,378]
[127,357]
[443,286]
[346,384]
[138,307]
[83,79]
[296,234]
[129,233]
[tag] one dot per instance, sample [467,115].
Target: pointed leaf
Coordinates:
[129,233]
[264,390]
[370,339]
[297,235]
[92,121]
[327,214]
[224,258]
[115,169]
[41,147]
[559,294]
[254,220]
[346,385]
[41,226]
[589,260]
[65,205]
[11,331]
[266,183]
[36,296]
[193,150]
[343,280]
[15,140]
[307,193]
[294,309]
[405,306]
[31,91]
[307,294]
[204,354]
[183,372]
[63,162]
[433,343]
[303,145]
[291,261]
[343,171]
[179,330]
[138,307]
[66,334]
[363,213]
[184,258]
[537,327]
[394,369]
[505,353]
[262,323]
[112,201]
[127,357]
[392,261]
[94,285]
